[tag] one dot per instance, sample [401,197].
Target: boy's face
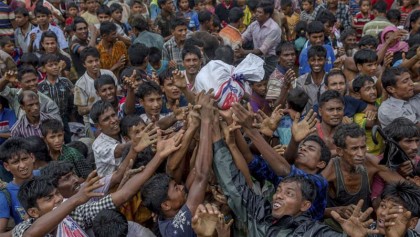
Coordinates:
[180,33]
[368,69]
[309,155]
[42,19]
[108,93]
[332,112]
[29,81]
[260,88]
[317,64]
[365,7]
[104,17]
[111,37]
[91,64]
[288,200]
[109,123]
[9,48]
[68,184]
[20,165]
[192,63]
[410,146]
[177,196]
[307,7]
[169,6]
[46,204]
[135,130]
[73,11]
[117,15]
[49,44]
[199,7]
[171,91]
[81,31]
[91,6]
[52,69]
[368,92]
[261,16]
[152,104]
[54,140]
[316,38]
[337,83]
[328,28]
[385,206]
[21,20]
[137,8]
[184,5]
[404,88]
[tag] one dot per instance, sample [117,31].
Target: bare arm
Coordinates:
[120,148]
[3,224]
[83,110]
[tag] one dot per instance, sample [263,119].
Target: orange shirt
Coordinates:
[109,59]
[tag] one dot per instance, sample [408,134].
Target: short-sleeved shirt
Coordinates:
[23,128]
[393,108]
[61,40]
[107,59]
[265,37]
[61,92]
[231,36]
[21,39]
[103,149]
[307,84]
[304,60]
[180,225]
[6,17]
[171,51]
[16,210]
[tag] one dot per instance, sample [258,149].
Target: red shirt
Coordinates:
[359,20]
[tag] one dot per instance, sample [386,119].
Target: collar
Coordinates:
[26,122]
[233,28]
[267,23]
[396,101]
[310,81]
[281,69]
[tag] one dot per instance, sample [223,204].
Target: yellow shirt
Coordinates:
[291,24]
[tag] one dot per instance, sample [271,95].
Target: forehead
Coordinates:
[108,111]
[80,25]
[403,76]
[49,39]
[292,185]
[333,103]
[355,141]
[153,95]
[287,51]
[30,99]
[190,56]
[107,86]
[29,76]
[312,144]
[19,155]
[336,78]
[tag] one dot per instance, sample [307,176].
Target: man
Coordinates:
[265,35]
[143,35]
[230,34]
[379,23]
[23,28]
[166,18]
[172,49]
[28,80]
[349,41]
[29,124]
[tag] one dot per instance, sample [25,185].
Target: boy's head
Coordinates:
[166,82]
[315,31]
[91,6]
[205,19]
[28,78]
[108,31]
[331,108]
[287,54]
[183,4]
[110,222]
[53,132]
[397,83]
[49,42]
[286,7]
[137,7]
[103,13]
[131,125]
[379,8]
[116,12]
[405,132]
[328,20]
[368,42]
[348,38]
[106,89]
[308,5]
[225,54]
[167,5]
[105,118]
[365,89]
[179,29]
[72,9]
[336,80]
[138,22]
[140,76]
[191,59]
[39,196]
[162,195]
[42,15]
[236,15]
[90,59]
[317,56]
[297,100]
[29,59]
[350,140]
[394,16]
[155,57]
[49,64]
[7,45]
[80,28]
[61,175]
[138,54]
[365,6]
[313,154]
[260,87]
[366,62]
[21,16]
[150,95]
[17,158]
[38,147]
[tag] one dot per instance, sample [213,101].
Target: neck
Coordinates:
[346,167]
[317,77]
[170,102]
[33,120]
[328,130]
[55,154]
[179,43]
[44,27]
[94,75]
[25,26]
[191,77]
[19,181]
[106,44]
[116,137]
[52,78]
[203,28]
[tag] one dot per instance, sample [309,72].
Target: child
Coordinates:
[394,16]
[362,17]
[308,8]
[258,101]
[90,14]
[406,8]
[172,96]
[366,62]
[300,30]
[292,18]
[137,6]
[156,64]
[190,15]
[8,46]
[72,12]
[23,27]
[116,15]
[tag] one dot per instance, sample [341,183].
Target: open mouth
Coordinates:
[277,205]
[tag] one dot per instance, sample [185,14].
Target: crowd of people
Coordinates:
[105,132]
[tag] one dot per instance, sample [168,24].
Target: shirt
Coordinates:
[21,39]
[231,36]
[375,26]
[359,21]
[91,19]
[304,60]
[306,83]
[265,37]
[291,23]
[180,225]
[23,128]
[75,44]
[61,92]
[7,120]
[81,165]
[61,40]
[393,108]
[103,149]
[6,17]
[150,39]
[107,59]
[171,51]
[16,211]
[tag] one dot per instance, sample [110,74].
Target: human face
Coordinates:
[91,6]
[328,27]
[137,8]
[111,38]
[199,7]
[192,63]
[368,92]
[92,65]
[49,44]
[81,31]
[42,19]
[68,184]
[316,38]
[384,207]
[404,88]
[104,18]
[184,5]
[73,11]
[117,15]
[368,69]
[307,7]
[406,3]
[288,200]
[332,112]
[20,165]
[350,42]
[108,93]
[135,130]
[169,6]
[180,33]
[54,140]
[317,64]
[410,146]
[9,48]
[51,68]
[177,195]
[46,204]
[415,26]
[171,91]
[355,151]
[109,123]
[332,3]
[29,81]
[260,88]
[287,58]
[365,7]
[309,157]
[21,20]
[261,16]
[31,106]
[337,83]
[152,104]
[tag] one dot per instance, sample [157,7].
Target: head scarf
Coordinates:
[400,46]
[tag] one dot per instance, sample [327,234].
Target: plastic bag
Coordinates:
[229,82]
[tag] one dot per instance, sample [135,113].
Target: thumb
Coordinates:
[297,117]
[249,107]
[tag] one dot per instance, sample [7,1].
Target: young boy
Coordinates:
[23,27]
[104,15]
[18,160]
[191,16]
[166,17]
[90,14]
[366,64]
[59,89]
[107,90]
[172,96]
[156,64]
[258,101]
[137,6]
[8,46]
[292,18]
[72,12]
[116,16]
[172,49]
[394,16]
[362,17]
[53,133]
[7,62]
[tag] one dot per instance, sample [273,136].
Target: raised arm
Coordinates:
[8,77]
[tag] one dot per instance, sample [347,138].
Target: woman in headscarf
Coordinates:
[392,41]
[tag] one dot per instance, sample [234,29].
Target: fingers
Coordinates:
[364,215]
[337,217]
[357,209]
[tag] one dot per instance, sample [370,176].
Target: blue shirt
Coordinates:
[61,40]
[262,171]
[7,120]
[164,64]
[352,106]
[180,225]
[304,60]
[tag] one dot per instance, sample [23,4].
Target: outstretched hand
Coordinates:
[165,147]
[205,220]
[396,222]
[86,191]
[179,79]
[301,129]
[269,124]
[242,116]
[145,138]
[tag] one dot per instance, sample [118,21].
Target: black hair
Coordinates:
[89,51]
[300,29]
[415,15]
[99,108]
[330,95]
[325,16]
[148,88]
[21,10]
[191,50]
[252,4]
[155,55]
[363,56]
[127,72]
[143,157]
[401,128]
[110,222]
[347,130]
[29,59]
[380,7]
[163,76]
[393,14]
[39,9]
[24,70]
[360,81]
[307,186]
[361,2]
[317,51]
[405,194]
[309,1]
[368,40]
[155,192]
[78,20]
[346,33]
[34,189]
[204,16]
[389,77]
[49,58]
[225,54]
[412,51]
[13,146]
[129,121]
[25,94]
[5,40]
[103,9]
[332,73]
[38,147]
[57,169]
[139,22]
[315,27]
[107,28]
[325,151]
[414,39]
[81,147]
[194,41]
[48,34]
[235,14]
[161,2]
[284,46]
[285,3]
[115,7]
[178,22]
[52,126]
[138,53]
[72,5]
[267,6]
[136,1]
[103,79]
[297,99]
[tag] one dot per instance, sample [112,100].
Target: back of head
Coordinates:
[81,147]
[34,189]
[380,7]
[138,22]
[51,126]
[389,77]
[330,95]
[38,147]
[363,56]
[325,16]
[148,88]
[297,99]
[315,27]
[99,108]
[360,81]
[155,55]
[155,192]
[204,16]
[414,39]
[194,41]
[225,54]
[57,169]
[393,14]
[235,15]
[14,146]
[401,128]
[29,59]
[103,79]
[317,51]
[138,53]
[267,6]
[404,193]
[412,51]
[368,40]
[110,223]
[347,130]
[307,186]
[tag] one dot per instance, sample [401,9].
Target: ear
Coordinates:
[359,67]
[141,102]
[305,206]
[33,212]
[356,95]
[165,206]
[413,223]
[339,151]
[6,166]
[390,90]
[321,165]
[98,126]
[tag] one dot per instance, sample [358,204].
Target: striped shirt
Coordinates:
[6,18]
[359,22]
[23,128]
[375,26]
[61,92]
